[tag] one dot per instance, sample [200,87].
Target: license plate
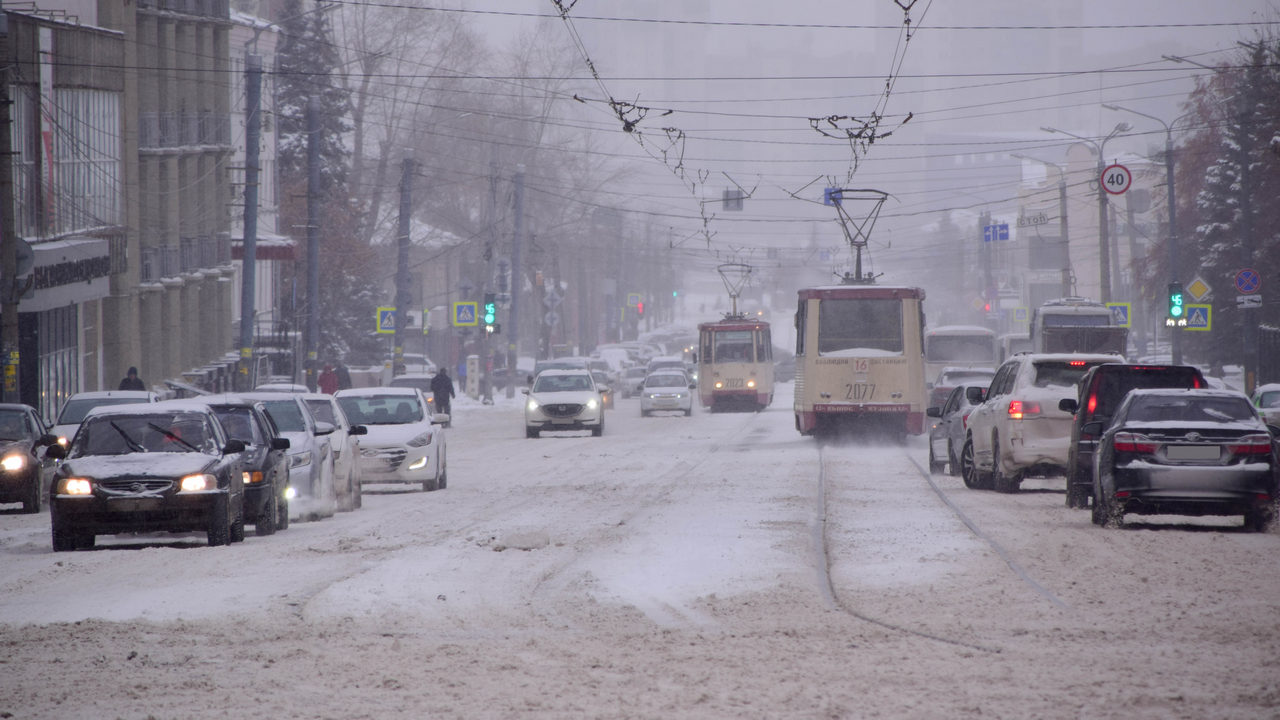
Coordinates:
[1192,452]
[131,505]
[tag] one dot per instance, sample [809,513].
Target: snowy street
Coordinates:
[712,566]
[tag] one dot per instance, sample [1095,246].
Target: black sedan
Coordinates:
[265,460]
[148,468]
[1186,452]
[23,466]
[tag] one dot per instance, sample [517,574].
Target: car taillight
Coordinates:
[1018,409]
[1075,363]
[1135,443]
[1251,445]
[964,421]
[1093,402]
[1195,383]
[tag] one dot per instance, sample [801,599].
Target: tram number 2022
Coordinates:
[859,391]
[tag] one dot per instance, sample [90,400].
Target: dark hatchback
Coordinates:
[1101,390]
[148,468]
[23,465]
[1186,452]
[265,460]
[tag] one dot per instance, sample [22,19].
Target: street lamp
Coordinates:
[1175,271]
[1104,243]
[1062,220]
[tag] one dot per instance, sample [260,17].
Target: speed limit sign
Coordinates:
[1116,179]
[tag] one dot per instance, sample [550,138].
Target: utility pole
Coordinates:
[248,275]
[403,293]
[9,291]
[486,361]
[517,281]
[313,241]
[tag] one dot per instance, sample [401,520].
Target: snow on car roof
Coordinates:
[94,394]
[372,391]
[166,406]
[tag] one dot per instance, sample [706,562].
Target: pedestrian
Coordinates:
[131,381]
[327,381]
[442,390]
[344,376]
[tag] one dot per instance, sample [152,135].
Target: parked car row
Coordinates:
[215,463]
[1134,438]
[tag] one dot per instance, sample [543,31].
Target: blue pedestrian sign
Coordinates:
[1121,313]
[1199,317]
[466,313]
[993,233]
[386,320]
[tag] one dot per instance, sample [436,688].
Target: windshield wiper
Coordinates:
[172,436]
[134,445]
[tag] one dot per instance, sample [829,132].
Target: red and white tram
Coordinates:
[735,364]
[860,360]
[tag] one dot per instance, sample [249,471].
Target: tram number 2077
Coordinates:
[859,391]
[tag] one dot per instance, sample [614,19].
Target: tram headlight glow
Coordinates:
[751,384]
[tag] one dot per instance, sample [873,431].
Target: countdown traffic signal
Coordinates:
[1177,309]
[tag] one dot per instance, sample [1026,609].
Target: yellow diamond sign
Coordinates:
[1198,288]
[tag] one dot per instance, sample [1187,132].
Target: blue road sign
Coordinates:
[992,233]
[832,196]
[386,320]
[466,313]
[1248,281]
[1199,317]
[1121,313]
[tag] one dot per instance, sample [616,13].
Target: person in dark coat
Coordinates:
[131,381]
[442,390]
[344,376]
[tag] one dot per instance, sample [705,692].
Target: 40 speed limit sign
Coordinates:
[1116,179]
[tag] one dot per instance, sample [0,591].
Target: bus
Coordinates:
[958,346]
[1076,324]
[860,360]
[735,364]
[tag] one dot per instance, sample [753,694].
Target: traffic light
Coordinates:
[640,309]
[1176,308]
[490,308]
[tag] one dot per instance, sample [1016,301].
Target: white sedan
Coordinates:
[563,400]
[666,390]
[404,442]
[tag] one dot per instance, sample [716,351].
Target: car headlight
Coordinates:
[75,486]
[531,405]
[14,462]
[419,463]
[299,459]
[592,404]
[62,441]
[290,493]
[198,483]
[421,440]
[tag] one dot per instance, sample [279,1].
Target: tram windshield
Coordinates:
[861,324]
[733,346]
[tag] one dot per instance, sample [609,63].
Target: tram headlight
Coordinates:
[751,384]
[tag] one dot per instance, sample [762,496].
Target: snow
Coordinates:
[712,566]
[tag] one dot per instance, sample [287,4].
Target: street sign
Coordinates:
[992,233]
[1122,313]
[1116,179]
[1021,315]
[1248,281]
[1198,289]
[386,321]
[1199,317]
[1249,301]
[633,299]
[466,313]
[552,298]
[832,196]
[551,318]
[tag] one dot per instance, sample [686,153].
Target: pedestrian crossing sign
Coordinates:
[386,320]
[1199,317]
[466,313]
[1121,313]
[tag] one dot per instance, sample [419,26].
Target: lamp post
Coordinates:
[1062,220]
[1104,243]
[1175,269]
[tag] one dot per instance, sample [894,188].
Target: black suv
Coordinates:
[265,460]
[1102,389]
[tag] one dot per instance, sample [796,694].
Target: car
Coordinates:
[1101,390]
[265,460]
[1185,452]
[605,385]
[345,444]
[162,467]
[633,380]
[79,405]
[404,443]
[664,362]
[1267,399]
[947,434]
[563,400]
[667,390]
[1019,430]
[25,469]
[312,495]
[949,377]
[422,381]
[564,363]
[281,387]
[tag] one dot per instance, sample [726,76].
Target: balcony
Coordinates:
[177,130]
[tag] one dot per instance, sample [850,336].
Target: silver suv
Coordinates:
[1019,429]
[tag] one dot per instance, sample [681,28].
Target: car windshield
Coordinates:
[238,423]
[972,378]
[561,383]
[382,409]
[322,410]
[666,380]
[1189,408]
[1269,399]
[159,432]
[287,415]
[1060,373]
[14,425]
[75,410]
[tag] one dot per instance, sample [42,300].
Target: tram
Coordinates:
[735,364]
[860,360]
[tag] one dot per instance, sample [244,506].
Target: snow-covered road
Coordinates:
[713,566]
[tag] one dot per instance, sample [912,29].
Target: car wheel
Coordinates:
[1105,512]
[357,490]
[63,540]
[953,462]
[688,412]
[236,533]
[1260,519]
[934,465]
[1001,481]
[265,523]
[1078,489]
[219,532]
[598,430]
[282,519]
[32,503]
[531,432]
[644,413]
[974,479]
